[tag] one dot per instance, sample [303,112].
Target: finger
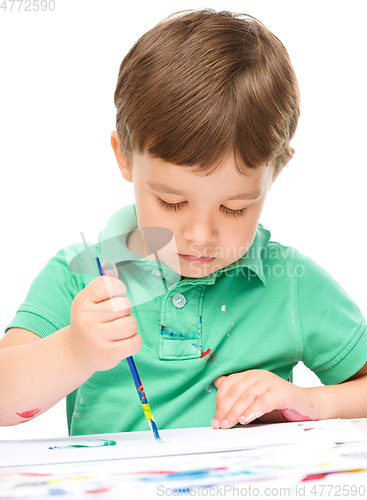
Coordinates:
[103,288]
[109,310]
[218,380]
[120,329]
[266,403]
[109,268]
[238,399]
[124,348]
[226,385]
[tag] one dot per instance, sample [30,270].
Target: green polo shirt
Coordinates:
[280,308]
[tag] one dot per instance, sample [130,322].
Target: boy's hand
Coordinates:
[246,396]
[102,331]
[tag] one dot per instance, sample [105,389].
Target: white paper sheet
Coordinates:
[203,474]
[178,442]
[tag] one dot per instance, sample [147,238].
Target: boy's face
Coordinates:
[213,218]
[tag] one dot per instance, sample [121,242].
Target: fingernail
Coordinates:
[224,423]
[252,417]
[215,423]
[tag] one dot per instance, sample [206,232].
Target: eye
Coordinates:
[234,213]
[176,206]
[169,206]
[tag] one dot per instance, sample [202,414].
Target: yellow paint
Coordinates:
[147,412]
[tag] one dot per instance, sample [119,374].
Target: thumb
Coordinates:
[218,380]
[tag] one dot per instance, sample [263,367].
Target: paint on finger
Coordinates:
[29,413]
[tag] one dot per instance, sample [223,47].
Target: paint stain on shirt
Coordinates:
[203,354]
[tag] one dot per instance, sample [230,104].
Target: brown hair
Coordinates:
[203,84]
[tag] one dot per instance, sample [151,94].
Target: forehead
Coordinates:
[224,183]
[150,166]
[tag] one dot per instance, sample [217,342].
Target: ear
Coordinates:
[122,162]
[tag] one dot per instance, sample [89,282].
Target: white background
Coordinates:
[58,173]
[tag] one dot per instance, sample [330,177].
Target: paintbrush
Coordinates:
[139,385]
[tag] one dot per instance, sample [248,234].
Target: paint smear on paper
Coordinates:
[94,443]
[103,489]
[224,309]
[30,413]
[313,477]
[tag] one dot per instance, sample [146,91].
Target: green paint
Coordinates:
[101,442]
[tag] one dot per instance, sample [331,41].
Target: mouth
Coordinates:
[192,258]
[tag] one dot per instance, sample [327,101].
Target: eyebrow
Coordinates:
[157,186]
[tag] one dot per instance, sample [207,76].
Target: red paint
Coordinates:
[30,413]
[100,490]
[205,353]
[32,474]
[156,472]
[311,477]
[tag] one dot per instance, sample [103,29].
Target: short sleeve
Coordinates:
[47,305]
[333,328]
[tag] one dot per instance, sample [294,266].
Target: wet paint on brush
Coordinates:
[30,413]
[224,309]
[100,443]
[141,392]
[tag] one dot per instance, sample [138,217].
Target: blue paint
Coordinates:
[197,346]
[155,432]
[218,473]
[178,335]
[56,491]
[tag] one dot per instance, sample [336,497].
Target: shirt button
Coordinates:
[158,274]
[178,300]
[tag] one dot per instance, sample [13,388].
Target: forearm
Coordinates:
[35,376]
[346,400]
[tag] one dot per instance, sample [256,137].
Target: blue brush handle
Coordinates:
[137,381]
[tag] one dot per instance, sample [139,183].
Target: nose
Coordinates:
[200,230]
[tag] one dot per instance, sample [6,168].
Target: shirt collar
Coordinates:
[112,246]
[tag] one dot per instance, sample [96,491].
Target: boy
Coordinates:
[207,104]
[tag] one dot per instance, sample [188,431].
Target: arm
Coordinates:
[259,394]
[37,373]
[345,400]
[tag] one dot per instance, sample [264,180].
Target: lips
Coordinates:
[192,258]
